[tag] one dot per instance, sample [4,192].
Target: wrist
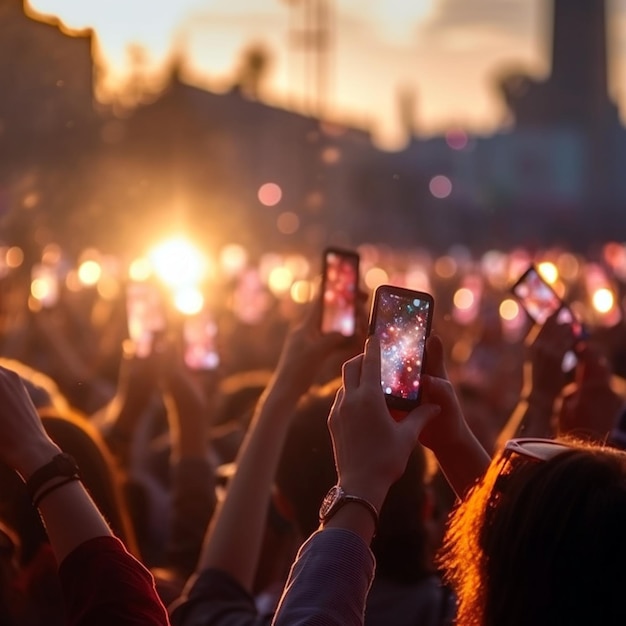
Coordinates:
[34,457]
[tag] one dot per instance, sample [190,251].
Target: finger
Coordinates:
[412,425]
[336,403]
[370,369]
[351,372]
[435,363]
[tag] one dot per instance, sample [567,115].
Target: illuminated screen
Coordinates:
[402,324]
[200,342]
[341,276]
[537,297]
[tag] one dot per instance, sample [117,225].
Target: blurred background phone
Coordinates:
[340,284]
[145,311]
[401,319]
[200,334]
[540,301]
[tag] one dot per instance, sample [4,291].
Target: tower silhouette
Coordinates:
[576,92]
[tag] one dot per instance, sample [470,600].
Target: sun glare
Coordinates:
[178,262]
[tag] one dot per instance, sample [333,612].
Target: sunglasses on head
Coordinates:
[523,452]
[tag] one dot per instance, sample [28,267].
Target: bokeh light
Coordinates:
[463,298]
[549,271]
[280,280]
[14,257]
[89,272]
[457,139]
[270,194]
[188,300]
[509,309]
[302,291]
[288,223]
[233,259]
[603,300]
[375,276]
[440,187]
[140,270]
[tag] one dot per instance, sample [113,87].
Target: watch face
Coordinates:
[332,497]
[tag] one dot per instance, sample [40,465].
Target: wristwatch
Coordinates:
[336,498]
[61,466]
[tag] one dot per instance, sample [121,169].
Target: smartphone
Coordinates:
[401,319]
[200,342]
[540,301]
[340,284]
[146,316]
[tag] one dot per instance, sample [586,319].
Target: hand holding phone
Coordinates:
[540,302]
[401,320]
[340,283]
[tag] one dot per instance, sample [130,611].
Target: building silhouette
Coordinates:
[82,174]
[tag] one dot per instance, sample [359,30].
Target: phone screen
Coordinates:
[146,316]
[401,319]
[541,301]
[340,281]
[536,296]
[200,335]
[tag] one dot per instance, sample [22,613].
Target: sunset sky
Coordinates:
[447,51]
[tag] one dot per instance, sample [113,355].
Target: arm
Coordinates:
[544,380]
[72,521]
[459,453]
[193,477]
[234,538]
[592,409]
[329,582]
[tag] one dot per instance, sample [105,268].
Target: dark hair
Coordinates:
[549,550]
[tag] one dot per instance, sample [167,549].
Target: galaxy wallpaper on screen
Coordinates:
[401,326]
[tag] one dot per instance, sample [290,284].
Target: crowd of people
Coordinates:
[277,488]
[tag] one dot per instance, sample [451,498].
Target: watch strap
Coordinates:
[60,466]
[337,498]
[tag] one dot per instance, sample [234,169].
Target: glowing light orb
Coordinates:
[440,187]
[464,299]
[178,262]
[549,271]
[188,300]
[89,272]
[509,310]
[603,300]
[280,280]
[270,194]
[140,270]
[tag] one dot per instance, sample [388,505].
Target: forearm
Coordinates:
[329,581]
[463,462]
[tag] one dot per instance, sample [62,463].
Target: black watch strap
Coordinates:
[61,466]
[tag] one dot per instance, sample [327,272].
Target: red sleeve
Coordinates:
[103,585]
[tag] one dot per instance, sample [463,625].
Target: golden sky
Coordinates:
[446,51]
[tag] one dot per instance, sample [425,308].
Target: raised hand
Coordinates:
[371,448]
